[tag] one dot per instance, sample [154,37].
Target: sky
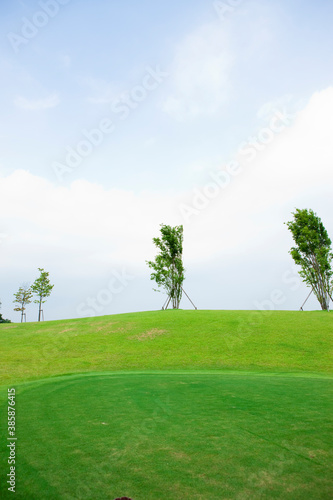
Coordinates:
[117,117]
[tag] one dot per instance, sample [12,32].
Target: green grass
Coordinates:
[168,436]
[233,405]
[169,340]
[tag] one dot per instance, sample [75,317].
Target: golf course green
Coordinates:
[170,404]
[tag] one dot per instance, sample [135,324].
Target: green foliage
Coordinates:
[313,253]
[168,269]
[3,320]
[22,298]
[42,288]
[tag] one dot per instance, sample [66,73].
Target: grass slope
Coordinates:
[227,405]
[280,341]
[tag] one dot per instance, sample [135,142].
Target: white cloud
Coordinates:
[200,73]
[296,160]
[296,163]
[119,220]
[37,104]
[301,158]
[86,230]
[294,170]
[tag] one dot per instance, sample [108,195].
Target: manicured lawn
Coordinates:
[166,436]
[225,405]
[168,340]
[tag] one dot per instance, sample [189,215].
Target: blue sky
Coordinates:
[170,93]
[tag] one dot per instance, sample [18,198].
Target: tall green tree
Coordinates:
[42,288]
[22,299]
[313,253]
[167,268]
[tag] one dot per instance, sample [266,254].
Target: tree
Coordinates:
[168,270]
[3,320]
[42,288]
[313,253]
[22,298]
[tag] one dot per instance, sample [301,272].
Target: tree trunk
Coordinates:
[319,287]
[40,309]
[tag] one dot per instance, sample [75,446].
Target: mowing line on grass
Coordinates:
[282,447]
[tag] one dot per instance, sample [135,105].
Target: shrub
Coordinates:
[3,320]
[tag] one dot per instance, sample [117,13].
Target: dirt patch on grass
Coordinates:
[179,455]
[149,334]
[104,326]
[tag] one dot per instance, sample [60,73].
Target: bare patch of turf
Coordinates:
[150,334]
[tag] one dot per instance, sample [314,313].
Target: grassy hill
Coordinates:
[226,405]
[281,341]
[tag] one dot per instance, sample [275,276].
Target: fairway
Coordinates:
[169,435]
